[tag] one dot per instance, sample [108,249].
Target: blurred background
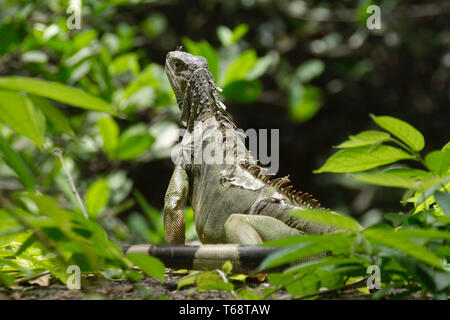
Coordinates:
[311,69]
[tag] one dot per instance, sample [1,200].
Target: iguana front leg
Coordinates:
[174,202]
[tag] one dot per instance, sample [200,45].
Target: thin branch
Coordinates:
[58,153]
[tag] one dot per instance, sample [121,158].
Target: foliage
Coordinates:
[411,250]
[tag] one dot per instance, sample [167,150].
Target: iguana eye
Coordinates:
[177,64]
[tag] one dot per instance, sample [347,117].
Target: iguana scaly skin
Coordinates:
[234,202]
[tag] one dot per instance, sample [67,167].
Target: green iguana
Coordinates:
[236,205]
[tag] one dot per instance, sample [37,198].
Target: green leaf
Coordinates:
[304,102]
[242,91]
[150,265]
[438,162]
[126,62]
[240,67]
[212,281]
[17,164]
[225,35]
[402,130]
[403,243]
[309,70]
[260,67]
[133,142]
[385,179]
[109,131]
[443,200]
[362,158]
[227,267]
[53,114]
[17,111]
[56,91]
[97,196]
[305,246]
[364,138]
[329,218]
[239,32]
[308,284]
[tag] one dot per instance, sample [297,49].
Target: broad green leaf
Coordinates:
[403,243]
[310,266]
[240,67]
[18,112]
[260,67]
[304,102]
[17,164]
[306,246]
[402,130]
[109,131]
[126,62]
[364,138]
[53,114]
[443,200]
[385,179]
[438,162]
[242,91]
[134,142]
[329,218]
[56,91]
[362,158]
[150,265]
[97,196]
[408,172]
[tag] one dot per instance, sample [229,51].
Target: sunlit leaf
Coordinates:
[328,217]
[362,158]
[438,162]
[109,131]
[364,138]
[97,196]
[56,91]
[402,130]
[18,112]
[240,67]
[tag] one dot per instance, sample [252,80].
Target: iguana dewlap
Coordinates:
[234,201]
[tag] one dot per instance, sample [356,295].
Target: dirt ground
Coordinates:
[97,288]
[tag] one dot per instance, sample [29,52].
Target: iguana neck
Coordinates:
[201,101]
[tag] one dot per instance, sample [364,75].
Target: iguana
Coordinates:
[237,206]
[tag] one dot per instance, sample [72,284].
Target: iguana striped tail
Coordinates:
[245,259]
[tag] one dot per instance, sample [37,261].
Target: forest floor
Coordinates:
[98,288]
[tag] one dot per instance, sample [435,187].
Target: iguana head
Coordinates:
[194,87]
[180,66]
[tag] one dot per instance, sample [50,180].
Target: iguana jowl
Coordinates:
[233,202]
